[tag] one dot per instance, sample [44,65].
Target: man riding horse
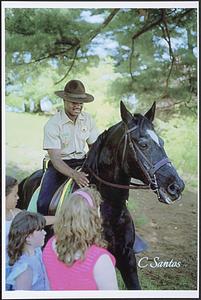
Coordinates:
[66,135]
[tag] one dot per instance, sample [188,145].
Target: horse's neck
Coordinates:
[102,157]
[102,161]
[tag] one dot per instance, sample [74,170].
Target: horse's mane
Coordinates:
[95,150]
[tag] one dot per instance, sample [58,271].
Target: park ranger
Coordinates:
[66,136]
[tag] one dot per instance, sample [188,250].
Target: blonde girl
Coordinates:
[78,249]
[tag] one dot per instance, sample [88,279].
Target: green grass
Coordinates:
[152,280]
[155,280]
[181,144]
[24,142]
[28,127]
[121,284]
[132,206]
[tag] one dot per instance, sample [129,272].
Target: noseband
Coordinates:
[147,167]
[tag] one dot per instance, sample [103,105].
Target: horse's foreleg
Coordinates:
[125,256]
[120,233]
[126,263]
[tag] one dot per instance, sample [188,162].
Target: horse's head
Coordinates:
[143,148]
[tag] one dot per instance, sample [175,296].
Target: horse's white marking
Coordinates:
[152,134]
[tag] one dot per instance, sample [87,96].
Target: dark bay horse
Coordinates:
[129,149]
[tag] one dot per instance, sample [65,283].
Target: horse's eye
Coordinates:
[142,144]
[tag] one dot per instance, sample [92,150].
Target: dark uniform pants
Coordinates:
[51,182]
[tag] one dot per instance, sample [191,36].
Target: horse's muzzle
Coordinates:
[172,193]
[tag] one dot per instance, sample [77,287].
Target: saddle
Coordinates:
[58,198]
[61,193]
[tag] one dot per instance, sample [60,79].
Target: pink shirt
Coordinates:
[79,276]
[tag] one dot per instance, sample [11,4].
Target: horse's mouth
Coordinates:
[166,198]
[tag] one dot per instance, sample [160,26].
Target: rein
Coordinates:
[120,186]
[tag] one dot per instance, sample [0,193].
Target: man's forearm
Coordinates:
[62,167]
[79,177]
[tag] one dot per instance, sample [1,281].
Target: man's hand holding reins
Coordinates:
[80,178]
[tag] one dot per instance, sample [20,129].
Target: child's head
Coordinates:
[11,192]
[79,224]
[26,229]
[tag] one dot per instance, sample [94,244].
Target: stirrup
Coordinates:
[139,245]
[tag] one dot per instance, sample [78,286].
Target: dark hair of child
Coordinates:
[23,224]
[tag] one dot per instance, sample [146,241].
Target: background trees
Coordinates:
[152,53]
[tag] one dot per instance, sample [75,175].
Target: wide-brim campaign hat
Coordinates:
[74,91]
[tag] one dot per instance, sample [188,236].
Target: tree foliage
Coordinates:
[154,51]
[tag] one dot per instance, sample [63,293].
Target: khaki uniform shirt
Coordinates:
[60,132]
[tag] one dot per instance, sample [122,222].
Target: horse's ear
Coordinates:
[125,114]
[151,112]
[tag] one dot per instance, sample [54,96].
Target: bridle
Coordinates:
[147,167]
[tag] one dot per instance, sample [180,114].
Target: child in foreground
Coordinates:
[25,239]
[11,211]
[76,257]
